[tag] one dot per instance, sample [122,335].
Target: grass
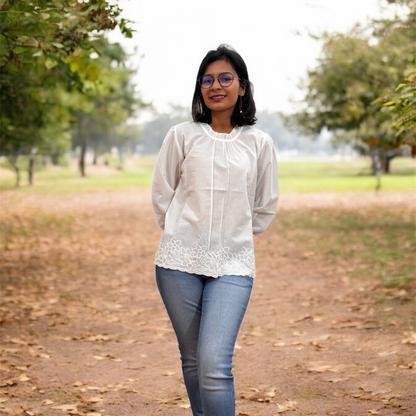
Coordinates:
[341,176]
[294,177]
[137,174]
[374,242]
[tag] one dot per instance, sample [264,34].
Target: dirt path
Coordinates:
[84,331]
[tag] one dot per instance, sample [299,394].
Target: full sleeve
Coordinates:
[166,175]
[267,188]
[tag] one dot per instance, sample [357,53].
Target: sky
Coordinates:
[173,36]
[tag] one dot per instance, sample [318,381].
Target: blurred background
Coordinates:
[91,85]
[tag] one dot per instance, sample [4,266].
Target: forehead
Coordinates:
[217,67]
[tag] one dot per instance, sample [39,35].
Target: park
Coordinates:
[330,328]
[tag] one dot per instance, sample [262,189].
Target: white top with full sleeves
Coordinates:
[211,193]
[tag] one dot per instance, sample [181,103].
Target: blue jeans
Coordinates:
[206,314]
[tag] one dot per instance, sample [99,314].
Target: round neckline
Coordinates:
[235,132]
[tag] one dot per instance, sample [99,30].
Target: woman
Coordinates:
[215,185]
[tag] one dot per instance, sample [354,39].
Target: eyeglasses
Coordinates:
[225,79]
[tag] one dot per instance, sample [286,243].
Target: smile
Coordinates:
[217,97]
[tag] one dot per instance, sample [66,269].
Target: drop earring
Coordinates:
[240,106]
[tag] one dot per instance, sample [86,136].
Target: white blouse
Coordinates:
[211,193]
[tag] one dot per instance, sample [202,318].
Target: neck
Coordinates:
[221,123]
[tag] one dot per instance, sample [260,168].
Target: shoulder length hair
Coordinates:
[201,113]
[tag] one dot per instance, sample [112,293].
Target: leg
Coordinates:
[182,295]
[225,301]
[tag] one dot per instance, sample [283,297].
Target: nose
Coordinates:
[216,84]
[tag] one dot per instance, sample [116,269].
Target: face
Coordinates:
[218,98]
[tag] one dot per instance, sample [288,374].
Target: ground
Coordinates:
[84,331]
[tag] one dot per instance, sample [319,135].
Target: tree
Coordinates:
[44,46]
[105,104]
[356,73]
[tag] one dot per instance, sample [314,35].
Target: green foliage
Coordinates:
[60,31]
[54,60]
[356,74]
[403,105]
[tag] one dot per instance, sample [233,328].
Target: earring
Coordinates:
[240,105]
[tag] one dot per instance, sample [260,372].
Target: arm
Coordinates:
[166,175]
[267,189]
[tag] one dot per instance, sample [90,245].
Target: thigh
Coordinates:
[182,295]
[224,304]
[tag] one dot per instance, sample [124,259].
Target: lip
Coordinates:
[217,97]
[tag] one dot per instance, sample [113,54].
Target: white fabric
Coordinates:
[211,192]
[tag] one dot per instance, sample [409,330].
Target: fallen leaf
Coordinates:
[289,405]
[7,383]
[66,407]
[317,345]
[271,393]
[44,355]
[302,318]
[320,368]
[346,324]
[410,338]
[18,341]
[337,379]
[95,400]
[98,337]
[407,365]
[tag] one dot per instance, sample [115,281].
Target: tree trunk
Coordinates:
[31,166]
[94,160]
[13,162]
[83,140]
[376,165]
[388,157]
[82,159]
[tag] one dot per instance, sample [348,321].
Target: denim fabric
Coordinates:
[206,314]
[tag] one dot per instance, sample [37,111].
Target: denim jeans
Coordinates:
[206,314]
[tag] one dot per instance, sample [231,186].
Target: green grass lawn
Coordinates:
[294,177]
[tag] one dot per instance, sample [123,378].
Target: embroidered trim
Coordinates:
[199,260]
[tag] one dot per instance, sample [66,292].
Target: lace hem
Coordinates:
[199,260]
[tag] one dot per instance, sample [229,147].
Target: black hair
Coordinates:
[201,113]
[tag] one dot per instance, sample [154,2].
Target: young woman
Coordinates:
[215,185]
